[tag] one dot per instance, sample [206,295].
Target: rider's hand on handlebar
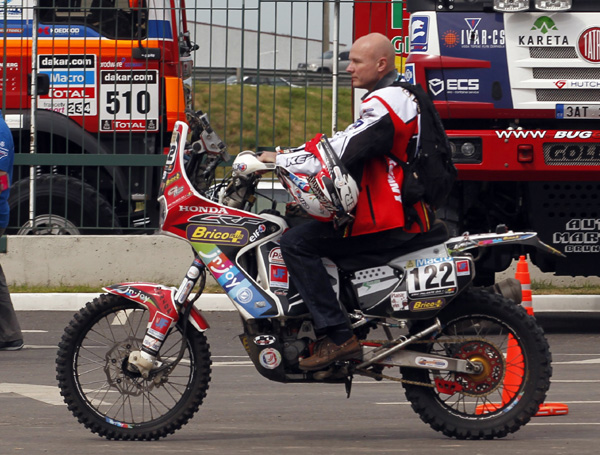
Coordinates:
[267,157]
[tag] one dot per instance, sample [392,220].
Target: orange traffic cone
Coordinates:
[515,367]
[522,275]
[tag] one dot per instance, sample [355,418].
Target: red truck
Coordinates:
[517,86]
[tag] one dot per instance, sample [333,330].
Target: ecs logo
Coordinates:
[437,86]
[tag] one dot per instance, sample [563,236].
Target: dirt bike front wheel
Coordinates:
[513,376]
[109,399]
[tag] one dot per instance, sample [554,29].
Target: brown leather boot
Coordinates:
[326,352]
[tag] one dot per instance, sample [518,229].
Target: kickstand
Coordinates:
[348,384]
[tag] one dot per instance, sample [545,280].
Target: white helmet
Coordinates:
[328,195]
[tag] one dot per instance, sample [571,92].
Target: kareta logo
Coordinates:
[544,24]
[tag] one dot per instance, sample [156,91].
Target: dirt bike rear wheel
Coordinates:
[493,332]
[110,400]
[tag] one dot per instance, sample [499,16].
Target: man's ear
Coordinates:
[382,64]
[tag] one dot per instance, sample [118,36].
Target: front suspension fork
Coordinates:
[158,328]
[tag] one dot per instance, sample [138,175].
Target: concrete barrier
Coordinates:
[95,260]
[75,301]
[102,260]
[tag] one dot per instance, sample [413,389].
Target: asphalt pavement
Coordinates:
[246,413]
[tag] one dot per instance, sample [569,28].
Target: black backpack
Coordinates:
[428,172]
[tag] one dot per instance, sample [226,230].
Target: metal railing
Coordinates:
[90,162]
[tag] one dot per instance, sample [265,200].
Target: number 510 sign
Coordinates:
[129,100]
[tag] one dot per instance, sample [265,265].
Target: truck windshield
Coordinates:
[114,19]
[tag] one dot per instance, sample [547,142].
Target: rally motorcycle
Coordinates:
[135,364]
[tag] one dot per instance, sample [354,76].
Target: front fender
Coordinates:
[157,299]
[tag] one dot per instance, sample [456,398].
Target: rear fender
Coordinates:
[159,300]
[467,241]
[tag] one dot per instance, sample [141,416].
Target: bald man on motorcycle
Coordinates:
[370,149]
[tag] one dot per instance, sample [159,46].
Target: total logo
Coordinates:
[239,167]
[437,86]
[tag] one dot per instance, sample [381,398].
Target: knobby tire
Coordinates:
[113,402]
[485,322]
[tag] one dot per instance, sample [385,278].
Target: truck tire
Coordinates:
[63,206]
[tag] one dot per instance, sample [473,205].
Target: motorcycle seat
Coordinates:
[378,257]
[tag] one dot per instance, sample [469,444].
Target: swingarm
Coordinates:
[392,353]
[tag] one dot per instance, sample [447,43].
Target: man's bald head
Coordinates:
[371,57]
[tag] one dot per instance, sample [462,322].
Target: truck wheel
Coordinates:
[63,206]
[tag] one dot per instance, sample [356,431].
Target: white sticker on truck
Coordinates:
[73,90]
[129,100]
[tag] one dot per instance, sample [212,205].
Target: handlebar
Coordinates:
[204,155]
[247,163]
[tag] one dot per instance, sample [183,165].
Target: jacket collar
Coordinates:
[385,81]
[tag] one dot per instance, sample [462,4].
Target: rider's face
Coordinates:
[364,68]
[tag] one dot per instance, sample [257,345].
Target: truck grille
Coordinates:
[568,95]
[556,95]
[552,52]
[572,153]
[566,73]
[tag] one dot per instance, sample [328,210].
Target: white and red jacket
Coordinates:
[388,121]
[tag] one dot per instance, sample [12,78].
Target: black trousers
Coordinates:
[302,248]
[9,325]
